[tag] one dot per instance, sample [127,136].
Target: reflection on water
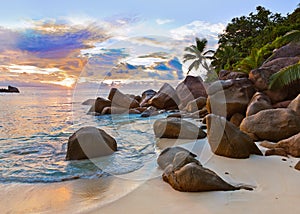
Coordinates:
[34,130]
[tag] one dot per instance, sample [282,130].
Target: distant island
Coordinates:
[10,89]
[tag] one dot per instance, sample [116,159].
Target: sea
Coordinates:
[35,126]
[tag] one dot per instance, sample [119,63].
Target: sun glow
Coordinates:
[68,82]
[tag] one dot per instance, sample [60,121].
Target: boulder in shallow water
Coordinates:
[89,102]
[90,142]
[99,104]
[10,89]
[150,111]
[177,128]
[118,99]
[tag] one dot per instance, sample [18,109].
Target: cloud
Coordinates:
[59,51]
[163,21]
[201,29]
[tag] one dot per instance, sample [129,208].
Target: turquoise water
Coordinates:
[35,127]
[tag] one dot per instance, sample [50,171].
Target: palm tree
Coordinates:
[195,53]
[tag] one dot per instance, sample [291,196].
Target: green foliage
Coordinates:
[254,60]
[285,76]
[258,33]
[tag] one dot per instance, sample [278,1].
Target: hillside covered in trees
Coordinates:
[249,40]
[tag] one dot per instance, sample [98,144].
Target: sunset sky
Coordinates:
[53,42]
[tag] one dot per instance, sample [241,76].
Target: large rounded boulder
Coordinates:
[227,97]
[167,156]
[118,99]
[165,98]
[189,89]
[259,102]
[225,139]
[90,142]
[192,177]
[177,128]
[272,124]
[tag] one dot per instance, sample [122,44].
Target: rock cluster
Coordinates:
[185,173]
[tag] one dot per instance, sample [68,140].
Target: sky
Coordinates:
[63,42]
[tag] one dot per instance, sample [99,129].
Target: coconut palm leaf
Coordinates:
[201,44]
[192,49]
[187,57]
[194,65]
[285,76]
[208,52]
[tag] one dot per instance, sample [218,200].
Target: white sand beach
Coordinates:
[276,183]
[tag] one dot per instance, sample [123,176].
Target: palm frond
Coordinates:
[187,57]
[285,76]
[191,49]
[195,65]
[201,44]
[208,52]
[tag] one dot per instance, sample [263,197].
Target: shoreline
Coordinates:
[276,190]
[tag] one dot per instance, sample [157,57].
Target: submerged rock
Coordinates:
[90,142]
[227,140]
[177,128]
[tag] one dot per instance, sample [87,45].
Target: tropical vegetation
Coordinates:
[248,41]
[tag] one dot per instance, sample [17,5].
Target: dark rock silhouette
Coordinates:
[10,89]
